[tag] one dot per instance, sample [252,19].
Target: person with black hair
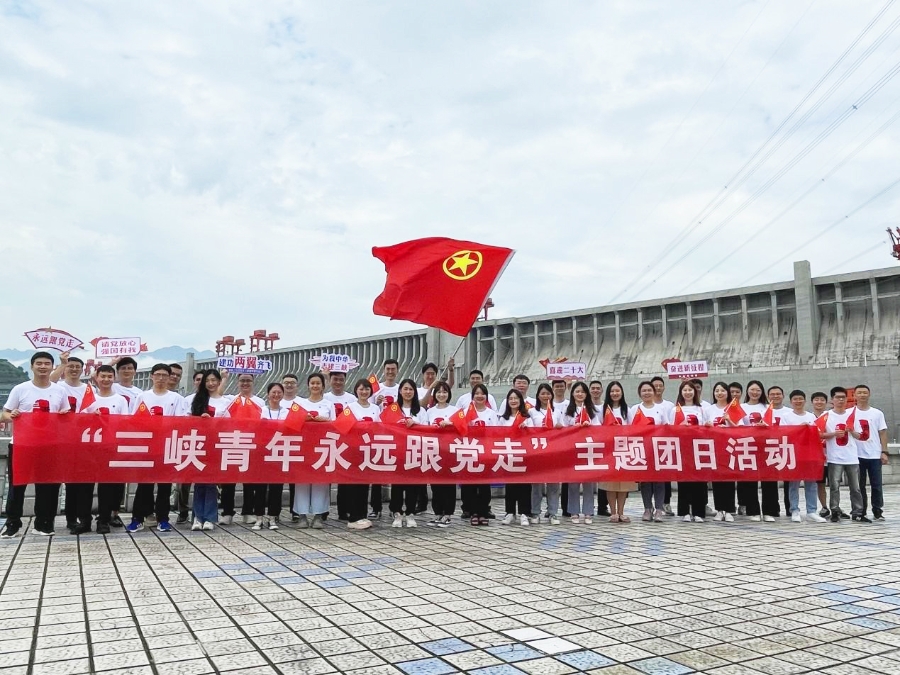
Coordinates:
[480,494]
[543,415]
[581,412]
[873,450]
[819,400]
[387,389]
[313,499]
[126,369]
[723,491]
[840,435]
[207,402]
[798,415]
[692,495]
[616,492]
[267,496]
[407,495]
[517,496]
[443,496]
[37,394]
[365,411]
[652,494]
[755,405]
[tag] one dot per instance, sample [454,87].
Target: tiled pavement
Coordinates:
[640,599]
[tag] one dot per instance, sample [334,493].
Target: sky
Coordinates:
[185,171]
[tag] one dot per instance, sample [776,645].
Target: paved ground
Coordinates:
[657,599]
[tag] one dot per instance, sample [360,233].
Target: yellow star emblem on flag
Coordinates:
[463,265]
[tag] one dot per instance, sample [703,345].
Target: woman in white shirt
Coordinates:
[581,412]
[692,495]
[481,493]
[268,496]
[754,405]
[543,416]
[207,403]
[407,495]
[723,491]
[443,496]
[652,494]
[356,494]
[616,491]
[516,495]
[314,499]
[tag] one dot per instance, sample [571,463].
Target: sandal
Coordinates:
[473,520]
[614,518]
[624,519]
[484,521]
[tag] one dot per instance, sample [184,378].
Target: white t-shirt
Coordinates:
[502,422]
[666,406]
[340,401]
[713,414]
[437,415]
[464,401]
[658,412]
[268,414]
[169,404]
[755,412]
[569,420]
[528,401]
[539,417]
[486,418]
[790,418]
[371,413]
[617,413]
[219,405]
[389,392]
[75,394]
[323,408]
[188,400]
[693,414]
[287,403]
[27,397]
[114,404]
[843,452]
[420,417]
[560,406]
[869,422]
[131,394]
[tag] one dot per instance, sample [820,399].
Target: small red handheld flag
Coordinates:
[851,419]
[679,415]
[374,382]
[296,417]
[345,421]
[392,414]
[609,419]
[459,276]
[821,422]
[548,418]
[460,421]
[583,417]
[769,416]
[142,410]
[640,418]
[519,420]
[735,412]
[88,398]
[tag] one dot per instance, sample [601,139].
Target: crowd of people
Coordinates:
[854,449]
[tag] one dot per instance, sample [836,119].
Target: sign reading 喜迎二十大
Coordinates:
[335,363]
[686,370]
[247,365]
[566,370]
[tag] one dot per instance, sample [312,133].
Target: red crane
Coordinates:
[895,241]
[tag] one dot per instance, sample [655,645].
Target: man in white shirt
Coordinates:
[775,395]
[795,416]
[291,384]
[840,436]
[160,401]
[387,393]
[819,405]
[872,449]
[175,377]
[475,377]
[520,383]
[126,369]
[337,395]
[183,490]
[39,395]
[659,388]
[107,402]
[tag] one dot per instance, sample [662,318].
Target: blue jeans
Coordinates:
[206,508]
[811,490]
[872,469]
[586,507]
[552,498]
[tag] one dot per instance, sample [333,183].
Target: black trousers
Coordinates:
[267,497]
[770,505]
[226,499]
[481,500]
[107,501]
[46,503]
[787,498]
[183,498]
[343,501]
[376,502]
[723,497]
[249,498]
[79,500]
[443,499]
[667,498]
[518,498]
[145,504]
[119,496]
[355,496]
[564,499]
[404,499]
[602,502]
[692,498]
[15,497]
[748,495]
[467,496]
[422,499]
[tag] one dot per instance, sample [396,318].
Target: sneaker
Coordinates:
[824,512]
[755,519]
[658,516]
[411,521]
[648,515]
[524,521]
[534,520]
[491,515]
[554,520]
[699,519]
[375,515]
[835,517]
[508,520]
[845,516]
[249,520]
[134,526]
[81,529]
[742,510]
[588,520]
[164,526]
[43,533]
[465,515]
[302,522]
[861,519]
[398,520]
[719,517]
[182,519]
[225,520]
[363,524]
[879,518]
[710,511]
[102,528]
[273,523]
[576,520]
[72,528]
[686,519]
[729,518]
[815,518]
[317,523]
[115,521]
[196,525]
[258,525]
[769,519]
[295,517]
[667,509]
[208,526]
[795,517]
[445,521]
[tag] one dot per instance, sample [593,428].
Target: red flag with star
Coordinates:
[459,276]
[345,421]
[735,412]
[296,417]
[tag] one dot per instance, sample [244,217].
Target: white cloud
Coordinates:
[225,167]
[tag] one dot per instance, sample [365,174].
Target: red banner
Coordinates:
[53,448]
